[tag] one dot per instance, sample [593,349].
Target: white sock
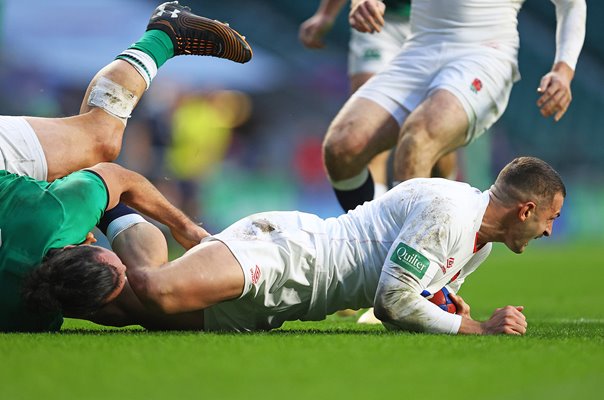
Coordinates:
[142,62]
[351,183]
[379,189]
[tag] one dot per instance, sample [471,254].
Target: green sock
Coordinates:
[157,45]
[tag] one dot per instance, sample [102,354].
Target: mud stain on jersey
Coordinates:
[264,225]
[434,222]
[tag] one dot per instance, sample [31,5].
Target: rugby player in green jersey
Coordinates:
[37,217]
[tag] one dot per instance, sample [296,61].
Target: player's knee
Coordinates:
[415,139]
[341,150]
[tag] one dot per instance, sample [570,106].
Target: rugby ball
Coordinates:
[442,300]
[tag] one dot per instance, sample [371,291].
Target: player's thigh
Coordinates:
[362,129]
[77,142]
[482,84]
[439,123]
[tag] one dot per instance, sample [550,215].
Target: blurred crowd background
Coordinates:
[223,140]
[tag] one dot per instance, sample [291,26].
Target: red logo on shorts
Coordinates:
[476,85]
[255,274]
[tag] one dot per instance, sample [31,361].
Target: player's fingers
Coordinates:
[555,103]
[520,308]
[544,83]
[377,18]
[556,107]
[358,23]
[564,103]
[368,18]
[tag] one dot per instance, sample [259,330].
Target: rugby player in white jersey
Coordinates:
[368,53]
[450,82]
[273,267]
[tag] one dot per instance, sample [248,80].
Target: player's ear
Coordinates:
[526,210]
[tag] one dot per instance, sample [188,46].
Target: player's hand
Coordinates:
[314,29]
[555,91]
[508,320]
[190,236]
[463,308]
[367,15]
[90,239]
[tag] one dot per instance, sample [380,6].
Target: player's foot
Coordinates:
[368,318]
[195,35]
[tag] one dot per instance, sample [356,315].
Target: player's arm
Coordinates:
[367,15]
[205,275]
[570,33]
[136,191]
[314,29]
[141,244]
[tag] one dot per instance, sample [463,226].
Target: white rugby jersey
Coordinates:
[493,24]
[422,232]
[298,266]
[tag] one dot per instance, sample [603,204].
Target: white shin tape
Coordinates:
[113,98]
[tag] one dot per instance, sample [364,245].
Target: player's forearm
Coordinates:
[140,194]
[570,30]
[401,307]
[330,8]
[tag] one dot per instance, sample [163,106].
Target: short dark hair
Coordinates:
[70,280]
[531,176]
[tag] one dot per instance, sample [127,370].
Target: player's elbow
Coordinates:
[393,308]
[151,292]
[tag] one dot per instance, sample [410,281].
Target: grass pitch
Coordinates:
[561,357]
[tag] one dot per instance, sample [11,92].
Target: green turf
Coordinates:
[561,357]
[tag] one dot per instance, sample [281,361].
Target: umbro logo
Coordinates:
[162,9]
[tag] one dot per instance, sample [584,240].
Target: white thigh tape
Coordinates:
[113,98]
[122,223]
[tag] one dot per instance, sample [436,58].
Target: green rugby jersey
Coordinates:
[399,7]
[36,216]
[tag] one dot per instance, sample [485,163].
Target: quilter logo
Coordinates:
[255,274]
[410,259]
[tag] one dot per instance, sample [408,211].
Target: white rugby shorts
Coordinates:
[480,77]
[20,150]
[371,52]
[283,280]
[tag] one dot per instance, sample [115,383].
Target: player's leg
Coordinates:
[96,134]
[435,128]
[378,166]
[361,130]
[446,167]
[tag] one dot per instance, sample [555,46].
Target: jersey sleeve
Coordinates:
[570,30]
[420,248]
[84,197]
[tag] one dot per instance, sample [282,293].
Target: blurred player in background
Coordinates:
[49,148]
[421,236]
[368,53]
[37,217]
[449,83]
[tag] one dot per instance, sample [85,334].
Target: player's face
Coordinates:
[110,257]
[538,224]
